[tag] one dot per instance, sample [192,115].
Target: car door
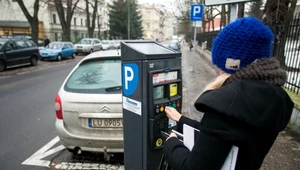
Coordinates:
[24,52]
[98,43]
[10,53]
[70,49]
[65,50]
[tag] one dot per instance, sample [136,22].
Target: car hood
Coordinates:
[45,50]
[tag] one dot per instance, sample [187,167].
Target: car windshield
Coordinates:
[54,46]
[95,76]
[85,41]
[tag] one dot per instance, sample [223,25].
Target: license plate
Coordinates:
[105,122]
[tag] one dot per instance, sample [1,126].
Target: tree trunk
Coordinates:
[241,10]
[34,30]
[66,36]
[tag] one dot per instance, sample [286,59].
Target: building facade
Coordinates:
[157,21]
[49,20]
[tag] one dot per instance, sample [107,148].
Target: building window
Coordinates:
[54,18]
[85,22]
[82,35]
[81,22]
[148,25]
[74,21]
[56,36]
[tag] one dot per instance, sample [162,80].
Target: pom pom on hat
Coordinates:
[240,43]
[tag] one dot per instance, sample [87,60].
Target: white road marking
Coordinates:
[35,159]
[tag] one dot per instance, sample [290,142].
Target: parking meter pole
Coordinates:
[151,80]
[195,32]
[233,12]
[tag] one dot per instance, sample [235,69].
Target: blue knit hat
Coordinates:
[240,43]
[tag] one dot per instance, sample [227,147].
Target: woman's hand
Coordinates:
[172,113]
[171,136]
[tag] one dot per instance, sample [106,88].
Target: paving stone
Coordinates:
[64,167]
[77,167]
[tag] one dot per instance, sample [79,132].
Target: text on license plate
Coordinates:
[105,122]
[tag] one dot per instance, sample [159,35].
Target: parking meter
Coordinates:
[151,80]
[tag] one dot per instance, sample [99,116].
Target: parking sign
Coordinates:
[196,12]
[130,74]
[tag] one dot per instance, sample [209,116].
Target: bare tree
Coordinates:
[91,24]
[255,9]
[241,10]
[277,15]
[31,18]
[65,14]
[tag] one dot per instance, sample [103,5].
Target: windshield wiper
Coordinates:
[113,88]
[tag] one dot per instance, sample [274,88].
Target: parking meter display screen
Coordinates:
[158,92]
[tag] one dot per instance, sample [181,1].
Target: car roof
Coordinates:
[101,54]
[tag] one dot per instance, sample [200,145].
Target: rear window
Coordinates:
[95,76]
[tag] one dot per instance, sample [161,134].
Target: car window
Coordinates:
[30,44]
[10,46]
[97,42]
[54,45]
[65,46]
[94,76]
[69,45]
[2,44]
[21,44]
[104,42]
[85,41]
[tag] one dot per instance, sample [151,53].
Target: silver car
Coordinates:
[88,45]
[89,105]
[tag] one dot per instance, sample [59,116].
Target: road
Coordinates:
[27,114]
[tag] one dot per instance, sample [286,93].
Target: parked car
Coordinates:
[174,45]
[57,51]
[88,105]
[117,44]
[105,45]
[88,45]
[17,52]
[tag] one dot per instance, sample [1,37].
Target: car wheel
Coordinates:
[2,66]
[42,59]
[91,51]
[76,53]
[33,61]
[58,57]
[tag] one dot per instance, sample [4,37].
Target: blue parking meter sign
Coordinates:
[196,12]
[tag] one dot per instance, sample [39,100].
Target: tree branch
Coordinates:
[25,11]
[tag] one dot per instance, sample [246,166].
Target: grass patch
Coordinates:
[295,97]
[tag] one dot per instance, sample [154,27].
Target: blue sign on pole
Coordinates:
[196,12]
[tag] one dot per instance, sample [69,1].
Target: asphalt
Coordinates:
[285,152]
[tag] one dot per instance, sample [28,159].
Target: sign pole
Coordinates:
[233,12]
[195,32]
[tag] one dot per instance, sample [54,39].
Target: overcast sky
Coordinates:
[165,2]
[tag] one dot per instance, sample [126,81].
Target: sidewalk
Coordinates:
[285,153]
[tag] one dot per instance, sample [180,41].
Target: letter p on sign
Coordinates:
[129,74]
[197,10]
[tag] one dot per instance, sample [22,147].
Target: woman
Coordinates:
[244,107]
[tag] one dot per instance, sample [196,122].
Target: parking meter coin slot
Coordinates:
[155,127]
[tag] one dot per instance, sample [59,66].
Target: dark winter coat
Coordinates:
[245,113]
[46,42]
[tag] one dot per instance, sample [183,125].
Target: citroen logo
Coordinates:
[105,109]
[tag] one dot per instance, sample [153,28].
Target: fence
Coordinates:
[290,55]
[207,37]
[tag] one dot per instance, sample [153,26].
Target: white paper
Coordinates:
[188,141]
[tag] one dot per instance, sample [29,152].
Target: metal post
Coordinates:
[233,11]
[128,15]
[195,32]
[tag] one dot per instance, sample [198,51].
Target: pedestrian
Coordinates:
[191,45]
[245,106]
[46,41]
